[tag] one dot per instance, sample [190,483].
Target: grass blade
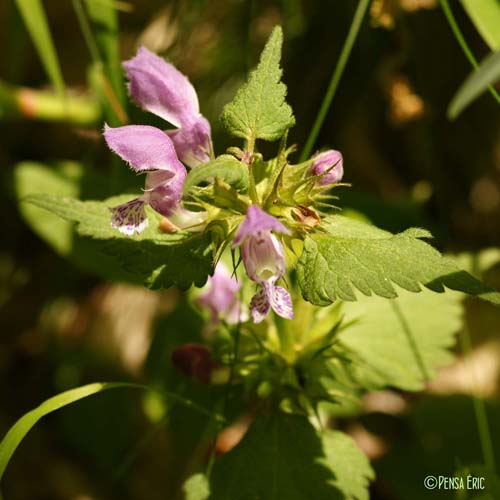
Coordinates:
[104,20]
[463,44]
[105,75]
[336,76]
[475,84]
[19,430]
[35,19]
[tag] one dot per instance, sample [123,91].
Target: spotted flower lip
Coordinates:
[329,165]
[160,88]
[146,149]
[264,260]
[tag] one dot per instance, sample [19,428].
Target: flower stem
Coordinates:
[286,340]
[479,407]
[336,76]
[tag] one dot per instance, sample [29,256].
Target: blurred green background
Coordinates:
[64,323]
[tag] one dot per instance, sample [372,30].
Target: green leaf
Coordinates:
[283,457]
[35,19]
[19,430]
[71,179]
[357,255]
[160,260]
[259,110]
[485,14]
[401,342]
[350,466]
[486,75]
[224,167]
[61,179]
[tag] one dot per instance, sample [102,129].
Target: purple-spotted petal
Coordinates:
[330,164]
[164,190]
[160,88]
[270,297]
[130,217]
[257,221]
[143,147]
[281,302]
[260,306]
[193,143]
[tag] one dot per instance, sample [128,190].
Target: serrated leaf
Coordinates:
[351,467]
[485,14]
[358,256]
[225,167]
[259,109]
[486,75]
[401,342]
[161,260]
[283,456]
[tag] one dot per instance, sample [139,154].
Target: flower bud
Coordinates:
[329,166]
[194,360]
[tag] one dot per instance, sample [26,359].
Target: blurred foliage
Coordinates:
[408,164]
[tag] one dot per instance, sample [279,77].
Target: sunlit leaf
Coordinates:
[259,109]
[401,342]
[485,14]
[354,255]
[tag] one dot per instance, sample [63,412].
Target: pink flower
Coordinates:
[330,164]
[221,297]
[146,149]
[158,87]
[264,260]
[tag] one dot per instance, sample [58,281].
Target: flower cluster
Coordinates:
[159,88]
